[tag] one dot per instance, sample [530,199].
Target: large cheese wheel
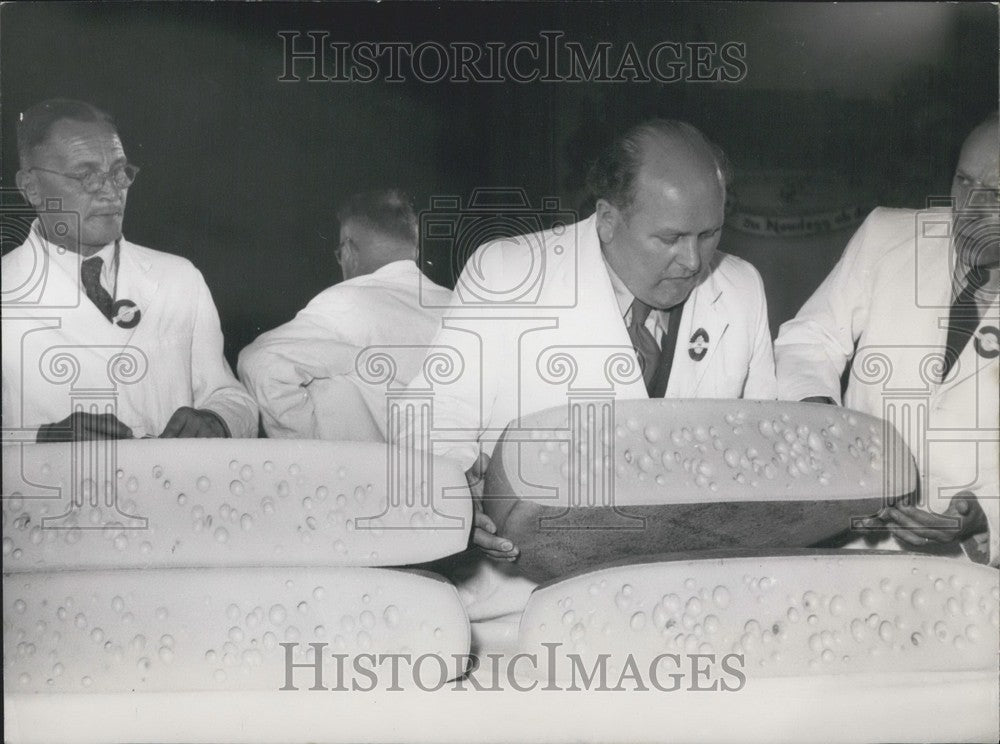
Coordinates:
[577,486]
[800,614]
[226,502]
[222,629]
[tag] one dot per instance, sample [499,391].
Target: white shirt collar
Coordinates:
[402,266]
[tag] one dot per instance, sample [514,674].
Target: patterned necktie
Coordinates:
[644,343]
[964,318]
[90,274]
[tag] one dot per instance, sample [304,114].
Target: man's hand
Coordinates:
[195,422]
[819,399]
[80,426]
[916,527]
[484,532]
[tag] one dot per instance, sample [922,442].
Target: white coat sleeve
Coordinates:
[812,350]
[279,365]
[470,344]
[214,386]
[760,383]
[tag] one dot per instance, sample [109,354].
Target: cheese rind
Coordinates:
[225,502]
[222,629]
[805,613]
[575,487]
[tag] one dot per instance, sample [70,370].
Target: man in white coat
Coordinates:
[305,374]
[103,338]
[538,317]
[912,308]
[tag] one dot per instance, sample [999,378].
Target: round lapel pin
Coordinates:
[987,342]
[698,345]
[125,314]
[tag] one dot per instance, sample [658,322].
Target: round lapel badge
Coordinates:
[698,345]
[125,314]
[987,342]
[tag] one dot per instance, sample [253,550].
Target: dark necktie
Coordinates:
[90,273]
[668,342]
[644,343]
[964,318]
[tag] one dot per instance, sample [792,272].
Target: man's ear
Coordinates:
[27,184]
[608,219]
[348,260]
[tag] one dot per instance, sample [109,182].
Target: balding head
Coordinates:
[376,228]
[661,191]
[663,144]
[975,191]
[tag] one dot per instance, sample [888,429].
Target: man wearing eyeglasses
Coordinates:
[912,308]
[304,373]
[102,338]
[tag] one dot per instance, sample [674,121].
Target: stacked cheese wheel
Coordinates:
[184,565]
[748,617]
[579,485]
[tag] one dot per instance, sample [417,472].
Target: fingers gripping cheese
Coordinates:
[800,614]
[579,485]
[222,628]
[225,502]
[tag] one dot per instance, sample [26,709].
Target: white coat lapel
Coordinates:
[699,337]
[982,350]
[598,320]
[60,281]
[136,281]
[933,290]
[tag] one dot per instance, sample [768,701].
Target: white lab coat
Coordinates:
[526,308]
[59,349]
[890,297]
[535,321]
[305,373]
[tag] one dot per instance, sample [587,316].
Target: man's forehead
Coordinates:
[83,141]
[684,179]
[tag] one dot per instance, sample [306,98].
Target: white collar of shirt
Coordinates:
[70,262]
[386,272]
[402,266]
[655,323]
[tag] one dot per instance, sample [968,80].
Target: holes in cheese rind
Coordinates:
[222,629]
[675,451]
[804,613]
[226,503]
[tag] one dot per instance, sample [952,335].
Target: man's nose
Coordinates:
[688,255]
[109,190]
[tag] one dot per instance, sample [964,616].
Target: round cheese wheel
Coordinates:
[223,628]
[577,486]
[226,502]
[798,614]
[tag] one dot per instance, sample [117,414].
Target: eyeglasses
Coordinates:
[121,177]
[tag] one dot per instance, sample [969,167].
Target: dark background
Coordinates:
[241,173]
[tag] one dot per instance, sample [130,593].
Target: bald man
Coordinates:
[303,373]
[912,308]
[636,287]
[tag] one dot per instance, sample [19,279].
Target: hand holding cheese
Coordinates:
[484,530]
[80,426]
[916,527]
[187,423]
